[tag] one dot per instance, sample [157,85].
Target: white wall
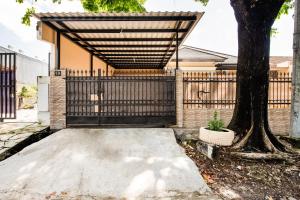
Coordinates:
[27,68]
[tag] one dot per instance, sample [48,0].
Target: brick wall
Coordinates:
[279,119]
[179,98]
[57,99]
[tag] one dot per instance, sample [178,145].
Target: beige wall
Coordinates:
[47,34]
[99,64]
[72,56]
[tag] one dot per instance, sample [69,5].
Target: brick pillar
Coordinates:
[57,99]
[179,98]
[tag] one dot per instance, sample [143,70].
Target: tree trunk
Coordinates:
[241,121]
[250,118]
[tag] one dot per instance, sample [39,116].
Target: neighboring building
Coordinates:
[192,58]
[27,68]
[281,63]
[197,59]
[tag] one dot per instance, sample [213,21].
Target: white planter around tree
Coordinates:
[222,138]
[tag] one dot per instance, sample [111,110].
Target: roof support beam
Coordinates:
[130,46]
[148,50]
[124,39]
[57,50]
[117,49]
[175,36]
[106,69]
[124,30]
[120,18]
[62,24]
[137,59]
[67,36]
[139,63]
[91,64]
[133,55]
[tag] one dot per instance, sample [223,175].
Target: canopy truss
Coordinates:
[126,40]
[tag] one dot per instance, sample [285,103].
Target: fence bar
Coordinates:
[217,90]
[120,98]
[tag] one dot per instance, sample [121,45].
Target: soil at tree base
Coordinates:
[233,178]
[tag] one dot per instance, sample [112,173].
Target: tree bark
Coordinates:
[250,118]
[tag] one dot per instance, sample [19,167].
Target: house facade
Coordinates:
[121,69]
[203,60]
[109,67]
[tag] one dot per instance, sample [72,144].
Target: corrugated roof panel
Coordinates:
[114,14]
[126,35]
[86,28]
[120,24]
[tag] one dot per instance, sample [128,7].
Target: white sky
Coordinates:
[217,30]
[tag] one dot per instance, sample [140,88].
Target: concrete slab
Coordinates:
[100,164]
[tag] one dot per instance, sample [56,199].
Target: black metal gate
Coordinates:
[101,100]
[7,86]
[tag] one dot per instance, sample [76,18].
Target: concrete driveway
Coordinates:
[101,164]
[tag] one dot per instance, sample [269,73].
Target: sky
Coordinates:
[217,30]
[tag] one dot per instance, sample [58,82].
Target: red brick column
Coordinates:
[57,99]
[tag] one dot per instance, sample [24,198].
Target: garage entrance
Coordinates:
[117,42]
[99,100]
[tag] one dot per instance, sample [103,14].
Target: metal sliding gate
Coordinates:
[7,86]
[103,100]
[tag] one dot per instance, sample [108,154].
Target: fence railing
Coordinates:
[120,99]
[7,85]
[218,90]
[129,72]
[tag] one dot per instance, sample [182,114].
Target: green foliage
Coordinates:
[26,18]
[204,2]
[27,91]
[215,124]
[96,6]
[288,5]
[113,5]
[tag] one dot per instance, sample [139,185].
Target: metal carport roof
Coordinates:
[126,40]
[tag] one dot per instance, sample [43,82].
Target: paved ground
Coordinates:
[12,135]
[100,164]
[25,118]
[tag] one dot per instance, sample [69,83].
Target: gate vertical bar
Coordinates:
[99,95]
[5,85]
[10,84]
[1,89]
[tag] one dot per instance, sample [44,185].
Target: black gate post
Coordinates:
[7,86]
[99,95]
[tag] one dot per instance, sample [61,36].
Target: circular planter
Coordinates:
[222,138]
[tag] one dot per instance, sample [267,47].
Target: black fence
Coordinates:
[96,100]
[7,85]
[218,90]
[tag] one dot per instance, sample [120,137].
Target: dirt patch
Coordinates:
[233,178]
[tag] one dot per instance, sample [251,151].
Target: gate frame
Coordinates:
[117,117]
[8,84]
